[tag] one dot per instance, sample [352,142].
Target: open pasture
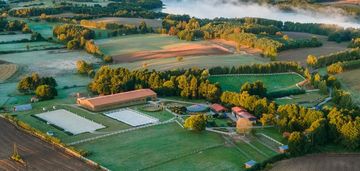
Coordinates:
[43,27]
[273,82]
[168,147]
[193,61]
[131,117]
[14,37]
[351,82]
[7,70]
[154,23]
[27,46]
[70,122]
[309,99]
[328,162]
[37,154]
[49,62]
[301,54]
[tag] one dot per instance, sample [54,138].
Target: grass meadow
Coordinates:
[309,99]
[351,82]
[274,82]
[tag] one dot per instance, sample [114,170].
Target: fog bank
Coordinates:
[234,9]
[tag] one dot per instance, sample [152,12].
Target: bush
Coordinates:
[45,92]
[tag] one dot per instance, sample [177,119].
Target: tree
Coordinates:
[243,126]
[297,144]
[256,88]
[311,60]
[351,135]
[196,122]
[45,92]
[83,67]
[143,27]
[267,119]
[179,58]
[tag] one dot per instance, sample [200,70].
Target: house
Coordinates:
[250,164]
[239,112]
[217,108]
[283,149]
[21,108]
[125,99]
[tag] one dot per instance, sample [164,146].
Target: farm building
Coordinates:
[217,108]
[250,164]
[24,107]
[283,149]
[242,113]
[129,98]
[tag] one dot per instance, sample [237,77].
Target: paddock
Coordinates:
[69,121]
[131,117]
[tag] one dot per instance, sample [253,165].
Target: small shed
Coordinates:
[250,164]
[217,108]
[24,107]
[283,149]
[197,108]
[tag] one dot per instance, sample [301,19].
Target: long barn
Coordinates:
[118,100]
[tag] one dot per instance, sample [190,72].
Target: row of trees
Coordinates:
[190,83]
[14,25]
[43,87]
[120,28]
[347,55]
[74,36]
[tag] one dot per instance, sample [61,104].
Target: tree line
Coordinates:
[347,55]
[42,87]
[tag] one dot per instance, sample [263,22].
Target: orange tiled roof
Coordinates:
[120,97]
[218,107]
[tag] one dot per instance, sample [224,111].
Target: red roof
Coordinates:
[238,109]
[218,107]
[246,115]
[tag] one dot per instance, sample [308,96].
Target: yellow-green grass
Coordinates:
[351,82]
[194,61]
[309,99]
[273,82]
[18,47]
[135,43]
[169,147]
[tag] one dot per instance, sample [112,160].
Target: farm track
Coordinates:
[37,154]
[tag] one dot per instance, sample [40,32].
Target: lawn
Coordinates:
[12,47]
[310,99]
[161,115]
[194,61]
[168,147]
[351,82]
[273,82]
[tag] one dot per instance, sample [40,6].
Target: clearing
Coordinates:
[154,23]
[301,54]
[273,82]
[37,154]
[194,61]
[328,162]
[351,82]
[70,122]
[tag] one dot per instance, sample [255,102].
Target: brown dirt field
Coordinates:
[7,70]
[301,54]
[183,50]
[38,154]
[133,21]
[232,46]
[320,162]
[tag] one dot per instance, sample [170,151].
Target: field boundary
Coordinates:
[265,74]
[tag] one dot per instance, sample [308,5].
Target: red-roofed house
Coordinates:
[217,108]
[129,98]
[240,112]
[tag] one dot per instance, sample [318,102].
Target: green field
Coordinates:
[49,62]
[351,82]
[274,82]
[11,47]
[194,61]
[310,99]
[134,43]
[14,37]
[169,147]
[43,27]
